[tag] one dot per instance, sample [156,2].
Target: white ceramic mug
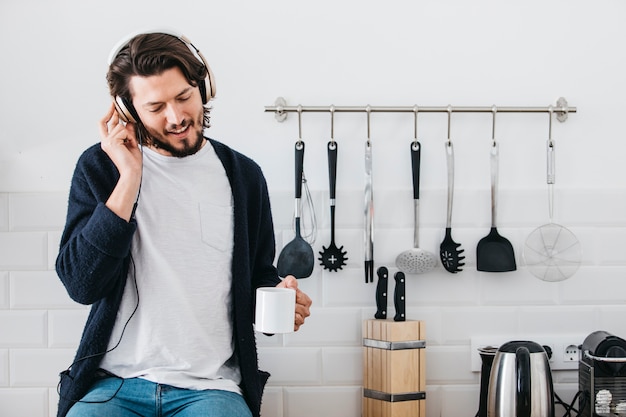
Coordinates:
[275,310]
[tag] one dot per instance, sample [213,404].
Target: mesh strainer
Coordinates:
[552,252]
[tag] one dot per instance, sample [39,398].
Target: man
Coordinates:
[168,235]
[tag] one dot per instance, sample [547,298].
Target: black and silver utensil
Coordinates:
[369,215]
[416,260]
[297,257]
[332,257]
[494,253]
[449,251]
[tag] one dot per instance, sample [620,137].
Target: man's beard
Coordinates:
[190,146]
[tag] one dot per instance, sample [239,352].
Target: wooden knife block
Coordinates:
[394,377]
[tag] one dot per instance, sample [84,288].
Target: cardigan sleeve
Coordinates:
[95,241]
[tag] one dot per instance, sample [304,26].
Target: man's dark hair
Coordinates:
[151,54]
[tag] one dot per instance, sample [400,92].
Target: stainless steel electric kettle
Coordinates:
[520,382]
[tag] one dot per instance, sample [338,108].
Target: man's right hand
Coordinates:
[119,142]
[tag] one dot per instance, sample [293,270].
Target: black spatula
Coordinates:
[494,252]
[297,257]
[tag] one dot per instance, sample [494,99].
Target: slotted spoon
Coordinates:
[416,260]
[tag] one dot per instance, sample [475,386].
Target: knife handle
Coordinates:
[398,297]
[381,293]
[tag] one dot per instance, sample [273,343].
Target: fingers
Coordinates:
[104,122]
[303,304]
[290,282]
[114,132]
[303,301]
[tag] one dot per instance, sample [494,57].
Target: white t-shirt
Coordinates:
[181,333]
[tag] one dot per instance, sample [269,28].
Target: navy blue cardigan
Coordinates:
[94,258]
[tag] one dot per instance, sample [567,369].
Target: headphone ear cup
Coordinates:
[125,110]
[209,83]
[207,86]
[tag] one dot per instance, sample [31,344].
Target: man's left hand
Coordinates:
[303,302]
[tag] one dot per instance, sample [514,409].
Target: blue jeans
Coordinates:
[116,397]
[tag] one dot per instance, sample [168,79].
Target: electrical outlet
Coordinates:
[565,351]
[571,354]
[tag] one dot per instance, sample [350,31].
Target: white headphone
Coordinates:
[207,86]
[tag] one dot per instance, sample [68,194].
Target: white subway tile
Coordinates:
[283,205]
[448,365]
[342,366]
[23,250]
[65,327]
[567,319]
[38,367]
[515,288]
[23,328]
[53,401]
[599,207]
[4,289]
[37,211]
[31,402]
[323,401]
[610,318]
[466,399]
[54,239]
[434,400]
[329,327]
[264,340]
[292,366]
[595,285]
[347,288]
[272,404]
[4,212]
[4,367]
[38,289]
[461,323]
[608,245]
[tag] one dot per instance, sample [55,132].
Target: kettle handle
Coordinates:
[522,365]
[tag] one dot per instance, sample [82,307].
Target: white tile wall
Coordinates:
[318,370]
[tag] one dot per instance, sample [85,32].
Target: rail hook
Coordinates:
[415,143]
[494,110]
[368,110]
[299,144]
[449,123]
[332,127]
[550,112]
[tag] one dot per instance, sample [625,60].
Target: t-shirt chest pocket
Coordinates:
[216,224]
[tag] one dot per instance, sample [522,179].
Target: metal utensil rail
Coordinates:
[281,109]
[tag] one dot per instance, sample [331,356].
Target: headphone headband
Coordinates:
[207,86]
